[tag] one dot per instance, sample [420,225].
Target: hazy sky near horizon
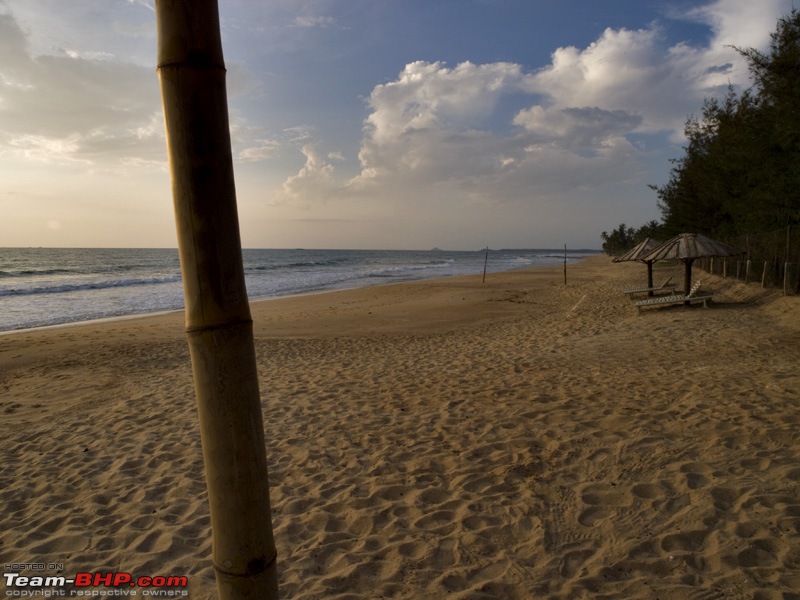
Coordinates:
[369,123]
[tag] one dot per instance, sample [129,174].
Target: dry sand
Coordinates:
[439,439]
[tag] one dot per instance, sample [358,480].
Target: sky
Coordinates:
[381,124]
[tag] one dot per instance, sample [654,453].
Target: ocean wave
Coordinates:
[35,273]
[292,265]
[405,270]
[60,288]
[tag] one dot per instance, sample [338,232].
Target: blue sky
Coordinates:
[369,123]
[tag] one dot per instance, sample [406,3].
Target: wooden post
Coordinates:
[786,279]
[565,264]
[725,267]
[747,245]
[191,72]
[485,262]
[764,276]
[687,275]
[712,266]
[788,241]
[747,271]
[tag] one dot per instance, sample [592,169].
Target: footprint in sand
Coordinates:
[687,541]
[603,499]
[697,474]
[647,491]
[604,494]
[762,553]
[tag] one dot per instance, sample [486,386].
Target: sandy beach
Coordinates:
[517,438]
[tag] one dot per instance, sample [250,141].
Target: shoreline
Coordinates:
[256,300]
[120,283]
[440,438]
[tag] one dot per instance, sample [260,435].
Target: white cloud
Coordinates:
[436,124]
[741,23]
[429,96]
[314,181]
[499,143]
[433,126]
[74,107]
[313,21]
[263,150]
[146,3]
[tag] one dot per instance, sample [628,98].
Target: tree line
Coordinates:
[739,176]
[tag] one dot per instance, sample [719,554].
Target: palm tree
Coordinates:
[218,324]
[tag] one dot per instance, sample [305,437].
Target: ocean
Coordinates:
[51,286]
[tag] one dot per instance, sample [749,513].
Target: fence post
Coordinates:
[786,279]
[724,267]
[747,271]
[712,266]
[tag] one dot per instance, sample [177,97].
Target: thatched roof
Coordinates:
[639,251]
[689,246]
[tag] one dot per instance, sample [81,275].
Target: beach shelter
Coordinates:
[688,247]
[219,329]
[638,252]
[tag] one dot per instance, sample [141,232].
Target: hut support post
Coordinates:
[687,275]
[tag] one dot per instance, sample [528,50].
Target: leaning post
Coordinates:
[218,325]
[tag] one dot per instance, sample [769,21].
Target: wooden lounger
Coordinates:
[691,298]
[664,287]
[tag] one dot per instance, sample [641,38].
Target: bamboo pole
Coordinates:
[218,325]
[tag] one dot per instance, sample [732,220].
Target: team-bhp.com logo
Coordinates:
[114,583]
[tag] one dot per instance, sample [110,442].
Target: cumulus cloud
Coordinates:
[427,96]
[435,126]
[504,144]
[314,181]
[740,23]
[445,126]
